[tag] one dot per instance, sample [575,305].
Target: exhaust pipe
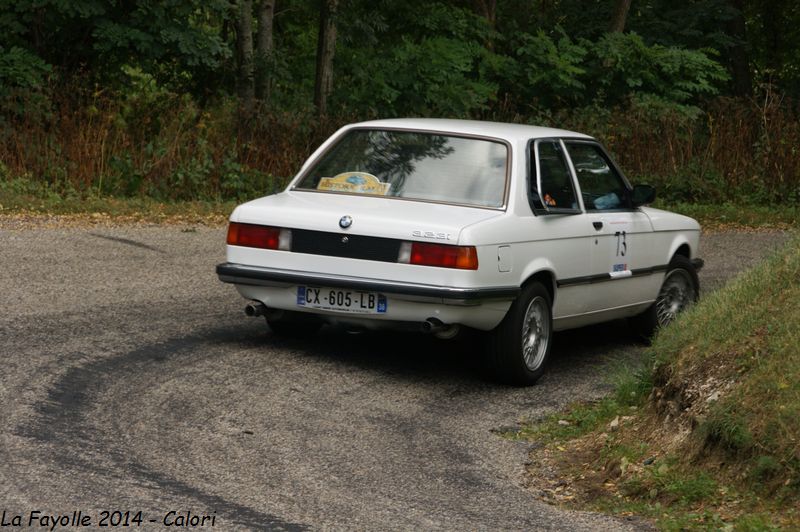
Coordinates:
[432,325]
[439,329]
[255,309]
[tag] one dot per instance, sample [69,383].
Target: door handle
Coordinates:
[597,225]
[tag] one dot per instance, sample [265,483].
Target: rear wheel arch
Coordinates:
[547,279]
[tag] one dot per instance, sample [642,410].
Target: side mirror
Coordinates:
[643,195]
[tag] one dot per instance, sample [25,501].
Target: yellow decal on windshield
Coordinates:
[358,182]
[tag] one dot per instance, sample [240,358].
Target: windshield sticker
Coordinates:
[358,182]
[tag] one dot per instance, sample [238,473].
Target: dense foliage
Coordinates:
[186,99]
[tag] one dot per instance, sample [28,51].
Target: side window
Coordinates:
[601,186]
[555,182]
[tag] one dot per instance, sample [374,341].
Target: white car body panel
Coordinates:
[601,265]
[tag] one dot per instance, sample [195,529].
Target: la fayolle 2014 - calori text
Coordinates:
[79,518]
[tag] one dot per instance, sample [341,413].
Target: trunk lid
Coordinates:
[371,216]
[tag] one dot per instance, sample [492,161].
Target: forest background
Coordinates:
[222,100]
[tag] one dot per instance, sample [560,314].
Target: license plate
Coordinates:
[341,300]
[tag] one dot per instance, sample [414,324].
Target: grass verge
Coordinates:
[34,206]
[708,437]
[724,216]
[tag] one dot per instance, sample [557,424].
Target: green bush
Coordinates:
[621,63]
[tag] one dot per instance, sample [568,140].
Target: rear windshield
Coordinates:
[422,166]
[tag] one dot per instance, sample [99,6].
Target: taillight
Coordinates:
[259,236]
[444,256]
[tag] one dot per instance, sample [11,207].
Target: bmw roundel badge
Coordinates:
[345,221]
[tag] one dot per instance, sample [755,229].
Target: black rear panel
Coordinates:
[344,245]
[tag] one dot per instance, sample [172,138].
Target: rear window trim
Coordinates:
[299,178]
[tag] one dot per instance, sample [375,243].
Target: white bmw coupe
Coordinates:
[436,225]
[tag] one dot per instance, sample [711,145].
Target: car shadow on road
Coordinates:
[417,356]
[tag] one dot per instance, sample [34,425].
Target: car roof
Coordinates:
[508,132]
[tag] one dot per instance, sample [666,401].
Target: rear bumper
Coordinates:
[240,274]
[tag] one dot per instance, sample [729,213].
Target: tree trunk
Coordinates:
[772,13]
[326,46]
[738,58]
[264,45]
[488,10]
[244,47]
[621,8]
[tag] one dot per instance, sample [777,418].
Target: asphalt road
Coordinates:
[132,381]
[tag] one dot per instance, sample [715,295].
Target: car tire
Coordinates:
[294,324]
[519,348]
[679,290]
